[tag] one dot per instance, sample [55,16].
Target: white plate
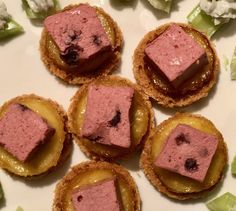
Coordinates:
[22,72]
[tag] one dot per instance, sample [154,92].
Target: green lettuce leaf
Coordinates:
[226,202]
[12,28]
[203,22]
[19,209]
[1,193]
[233,75]
[40,15]
[161,5]
[233,165]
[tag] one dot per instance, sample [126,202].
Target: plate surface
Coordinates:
[22,72]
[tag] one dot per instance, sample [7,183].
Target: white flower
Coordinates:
[221,10]
[3,15]
[40,5]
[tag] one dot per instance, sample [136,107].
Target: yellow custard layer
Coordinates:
[180,184]
[92,176]
[54,52]
[139,120]
[193,84]
[49,153]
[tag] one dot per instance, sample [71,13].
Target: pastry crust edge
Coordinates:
[92,155]
[119,171]
[67,144]
[149,88]
[147,167]
[104,70]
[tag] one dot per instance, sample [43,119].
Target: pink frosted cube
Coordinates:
[22,131]
[188,152]
[100,196]
[107,115]
[176,55]
[80,36]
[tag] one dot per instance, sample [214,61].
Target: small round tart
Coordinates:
[175,185]
[159,88]
[50,54]
[141,119]
[49,155]
[87,173]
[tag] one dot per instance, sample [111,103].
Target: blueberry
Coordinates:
[96,138]
[191,164]
[79,198]
[23,107]
[181,139]
[71,55]
[97,40]
[115,120]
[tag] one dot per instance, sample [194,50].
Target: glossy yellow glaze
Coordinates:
[175,182]
[195,83]
[92,176]
[47,155]
[139,118]
[54,53]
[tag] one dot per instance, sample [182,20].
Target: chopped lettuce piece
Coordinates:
[11,28]
[203,22]
[19,209]
[225,62]
[233,166]
[226,202]
[233,71]
[164,5]
[1,193]
[40,15]
[8,26]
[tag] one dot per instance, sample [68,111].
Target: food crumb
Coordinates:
[225,62]
[19,208]
[138,174]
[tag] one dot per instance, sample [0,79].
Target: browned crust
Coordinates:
[106,69]
[149,88]
[67,145]
[118,170]
[147,166]
[114,81]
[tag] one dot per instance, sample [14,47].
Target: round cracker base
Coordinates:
[118,170]
[147,166]
[113,81]
[107,68]
[150,89]
[67,145]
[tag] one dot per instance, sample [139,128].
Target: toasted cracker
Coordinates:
[148,86]
[105,69]
[146,162]
[118,171]
[111,81]
[67,144]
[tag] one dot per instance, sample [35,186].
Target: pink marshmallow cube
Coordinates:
[188,151]
[100,196]
[107,115]
[176,55]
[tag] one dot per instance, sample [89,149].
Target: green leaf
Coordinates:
[1,193]
[226,202]
[19,209]
[40,15]
[233,165]
[203,22]
[12,28]
[161,5]
[233,77]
